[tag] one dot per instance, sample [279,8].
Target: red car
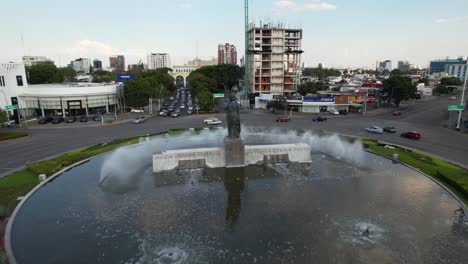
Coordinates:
[412,135]
[396,113]
[283,119]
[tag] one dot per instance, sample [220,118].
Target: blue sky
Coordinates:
[336,32]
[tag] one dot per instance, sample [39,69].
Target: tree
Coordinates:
[101,76]
[3,116]
[277,104]
[400,88]
[137,92]
[310,87]
[396,72]
[226,76]
[455,81]
[68,74]
[44,73]
[201,82]
[321,73]
[206,100]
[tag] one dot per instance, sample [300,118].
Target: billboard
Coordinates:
[122,77]
[319,99]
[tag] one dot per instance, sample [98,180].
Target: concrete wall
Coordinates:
[169,160]
[255,154]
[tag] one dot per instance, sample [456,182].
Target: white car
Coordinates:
[334,112]
[210,119]
[137,111]
[139,120]
[453,98]
[374,129]
[214,122]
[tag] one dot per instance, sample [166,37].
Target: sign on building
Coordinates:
[125,77]
[319,99]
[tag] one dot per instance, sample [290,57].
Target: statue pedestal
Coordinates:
[234,152]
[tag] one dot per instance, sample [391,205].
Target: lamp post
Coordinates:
[462,97]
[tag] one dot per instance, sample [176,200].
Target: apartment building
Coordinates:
[159,60]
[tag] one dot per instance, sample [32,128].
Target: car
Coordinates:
[319,119]
[453,98]
[57,120]
[163,112]
[343,112]
[97,117]
[334,112]
[374,129]
[210,119]
[45,120]
[214,122]
[83,118]
[139,120]
[70,119]
[182,106]
[396,113]
[412,135]
[189,112]
[137,111]
[175,114]
[8,123]
[283,119]
[389,129]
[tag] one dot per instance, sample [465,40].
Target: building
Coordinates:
[97,64]
[385,65]
[198,63]
[457,70]
[136,67]
[159,60]
[53,99]
[180,74]
[438,66]
[404,66]
[81,65]
[117,63]
[35,60]
[227,54]
[274,59]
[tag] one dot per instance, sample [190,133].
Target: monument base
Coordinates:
[234,152]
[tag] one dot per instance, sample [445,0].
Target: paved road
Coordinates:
[426,117]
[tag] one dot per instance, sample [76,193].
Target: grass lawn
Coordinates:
[452,176]
[12,135]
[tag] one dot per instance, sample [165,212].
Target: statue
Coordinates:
[232,117]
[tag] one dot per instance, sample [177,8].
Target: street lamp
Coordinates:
[462,97]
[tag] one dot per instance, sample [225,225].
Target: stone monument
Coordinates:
[233,145]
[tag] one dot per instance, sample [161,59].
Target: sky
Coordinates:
[337,33]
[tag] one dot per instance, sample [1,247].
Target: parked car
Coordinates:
[319,119]
[175,114]
[97,117]
[343,112]
[137,111]
[453,98]
[334,112]
[139,120]
[163,112]
[412,135]
[389,129]
[210,119]
[215,122]
[71,119]
[45,120]
[189,112]
[83,118]
[57,120]
[396,113]
[374,129]
[283,119]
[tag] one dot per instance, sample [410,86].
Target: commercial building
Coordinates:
[81,65]
[438,66]
[159,60]
[404,66]
[50,99]
[97,64]
[385,65]
[457,70]
[198,63]
[35,60]
[275,59]
[227,54]
[117,63]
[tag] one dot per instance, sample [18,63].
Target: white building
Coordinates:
[385,65]
[180,74]
[159,60]
[50,99]
[457,70]
[81,65]
[35,60]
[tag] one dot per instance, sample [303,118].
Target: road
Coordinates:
[426,117]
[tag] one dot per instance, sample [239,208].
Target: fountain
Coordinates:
[234,154]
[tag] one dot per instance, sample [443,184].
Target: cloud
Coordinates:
[449,20]
[185,4]
[293,5]
[441,20]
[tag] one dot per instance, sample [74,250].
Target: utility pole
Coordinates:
[246,55]
[462,97]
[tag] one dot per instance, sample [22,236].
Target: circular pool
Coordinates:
[347,206]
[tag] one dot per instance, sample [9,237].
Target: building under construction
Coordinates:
[274,59]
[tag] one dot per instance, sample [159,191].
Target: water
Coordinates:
[114,210]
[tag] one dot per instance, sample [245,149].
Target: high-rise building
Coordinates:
[385,65]
[117,63]
[404,66]
[227,54]
[159,60]
[81,65]
[274,59]
[197,62]
[35,60]
[438,66]
[457,70]
[97,64]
